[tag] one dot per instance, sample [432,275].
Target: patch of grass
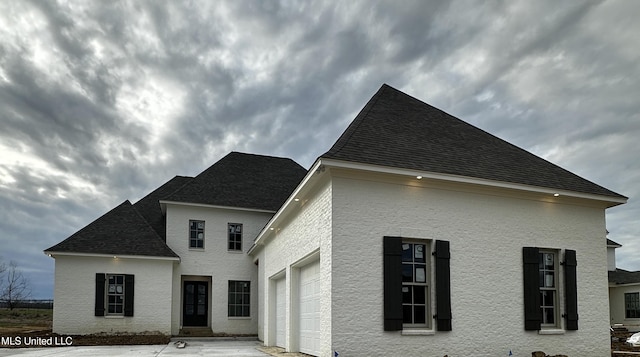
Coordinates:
[25,317]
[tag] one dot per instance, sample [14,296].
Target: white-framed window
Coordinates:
[235,236]
[239,298]
[632,305]
[415,284]
[548,283]
[115,294]
[196,234]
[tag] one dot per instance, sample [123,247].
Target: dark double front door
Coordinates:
[195,303]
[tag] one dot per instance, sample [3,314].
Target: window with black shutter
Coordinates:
[114,294]
[541,269]
[407,284]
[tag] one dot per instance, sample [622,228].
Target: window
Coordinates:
[548,289]
[541,268]
[632,305]
[196,234]
[115,294]
[235,236]
[239,296]
[415,287]
[408,273]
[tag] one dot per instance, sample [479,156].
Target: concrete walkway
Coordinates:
[195,347]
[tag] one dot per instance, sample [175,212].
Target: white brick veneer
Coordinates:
[307,234]
[346,219]
[74,295]
[487,232]
[214,262]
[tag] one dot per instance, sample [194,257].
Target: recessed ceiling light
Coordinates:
[419,177]
[296,199]
[271,228]
[556,194]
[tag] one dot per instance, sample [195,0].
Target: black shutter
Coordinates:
[392,283]
[571,289]
[443,286]
[99,308]
[128,295]
[532,313]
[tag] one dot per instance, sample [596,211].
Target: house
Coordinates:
[418,234]
[624,292]
[176,258]
[415,234]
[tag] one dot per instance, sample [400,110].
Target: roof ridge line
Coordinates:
[370,104]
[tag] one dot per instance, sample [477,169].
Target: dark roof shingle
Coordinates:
[245,181]
[621,276]
[149,207]
[121,231]
[610,242]
[397,130]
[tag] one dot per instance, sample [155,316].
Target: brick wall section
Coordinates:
[74,295]
[309,232]
[215,262]
[487,230]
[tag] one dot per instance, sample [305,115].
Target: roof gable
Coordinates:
[121,231]
[397,130]
[244,181]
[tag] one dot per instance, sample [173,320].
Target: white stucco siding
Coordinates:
[215,261]
[307,234]
[611,258]
[487,233]
[74,295]
[617,306]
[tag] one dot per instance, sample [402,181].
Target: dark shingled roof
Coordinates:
[243,180]
[121,231]
[621,276]
[610,242]
[397,130]
[149,207]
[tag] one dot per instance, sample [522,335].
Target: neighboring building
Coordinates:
[419,234]
[176,258]
[624,292]
[415,234]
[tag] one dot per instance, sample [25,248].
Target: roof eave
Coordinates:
[52,254]
[609,201]
[268,228]
[163,204]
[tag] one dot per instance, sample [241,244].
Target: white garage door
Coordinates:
[310,309]
[280,312]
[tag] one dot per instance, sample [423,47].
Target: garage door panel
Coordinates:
[309,319]
[280,312]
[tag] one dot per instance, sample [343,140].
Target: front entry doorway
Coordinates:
[195,303]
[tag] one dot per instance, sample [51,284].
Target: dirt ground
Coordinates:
[618,342]
[95,339]
[37,323]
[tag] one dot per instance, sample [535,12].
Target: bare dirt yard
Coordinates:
[37,323]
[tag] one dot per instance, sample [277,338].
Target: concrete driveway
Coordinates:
[195,347]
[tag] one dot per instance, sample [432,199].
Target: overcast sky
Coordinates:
[104,101]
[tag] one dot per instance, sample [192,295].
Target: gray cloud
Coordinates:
[104,101]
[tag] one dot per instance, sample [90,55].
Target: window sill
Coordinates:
[239,317]
[234,251]
[418,332]
[196,249]
[114,316]
[551,331]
